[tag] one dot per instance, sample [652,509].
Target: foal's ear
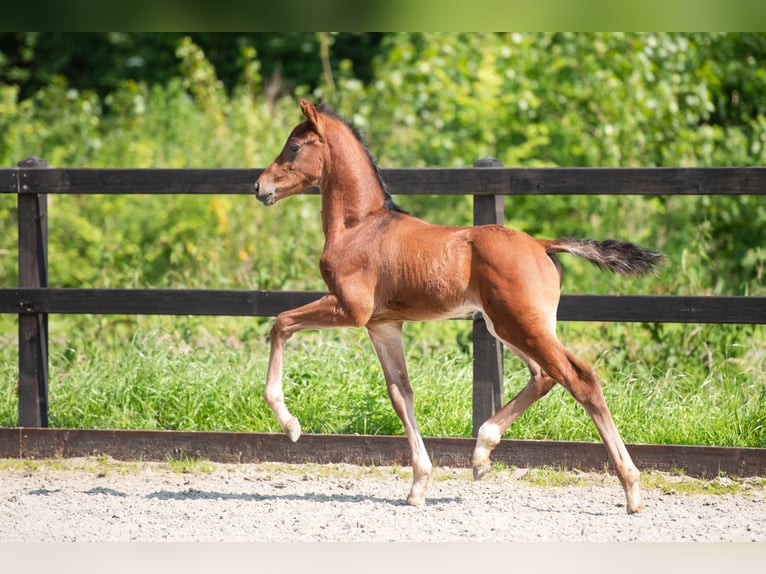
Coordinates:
[312,115]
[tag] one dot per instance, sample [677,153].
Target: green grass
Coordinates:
[187,465]
[705,387]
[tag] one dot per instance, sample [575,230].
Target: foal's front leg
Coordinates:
[387,340]
[325,313]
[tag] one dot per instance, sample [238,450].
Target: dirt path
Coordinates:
[107,501]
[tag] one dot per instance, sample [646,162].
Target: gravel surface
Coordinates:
[108,501]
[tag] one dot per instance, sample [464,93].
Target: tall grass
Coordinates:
[208,374]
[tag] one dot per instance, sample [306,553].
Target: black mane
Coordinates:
[388,202]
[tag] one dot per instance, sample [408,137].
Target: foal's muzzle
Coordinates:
[265,198]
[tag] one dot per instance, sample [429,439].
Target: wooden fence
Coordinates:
[488,181]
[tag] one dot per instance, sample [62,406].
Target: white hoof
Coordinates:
[480,470]
[634,501]
[488,439]
[417,496]
[293,429]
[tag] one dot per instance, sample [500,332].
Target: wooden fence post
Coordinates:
[487,351]
[33,327]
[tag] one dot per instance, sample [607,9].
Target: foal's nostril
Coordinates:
[256,186]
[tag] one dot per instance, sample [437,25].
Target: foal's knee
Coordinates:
[279,330]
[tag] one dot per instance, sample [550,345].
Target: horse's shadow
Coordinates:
[194,494]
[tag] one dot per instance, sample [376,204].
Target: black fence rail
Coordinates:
[488,182]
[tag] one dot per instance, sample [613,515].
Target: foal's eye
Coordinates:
[294,147]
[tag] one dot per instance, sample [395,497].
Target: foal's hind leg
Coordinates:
[493,428]
[543,350]
[582,383]
[387,340]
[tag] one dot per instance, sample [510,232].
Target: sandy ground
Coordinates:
[283,503]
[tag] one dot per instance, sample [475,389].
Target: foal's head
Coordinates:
[306,158]
[299,164]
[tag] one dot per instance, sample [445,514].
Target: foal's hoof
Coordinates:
[293,429]
[480,470]
[634,501]
[635,505]
[417,496]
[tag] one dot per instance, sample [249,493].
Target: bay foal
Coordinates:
[383,266]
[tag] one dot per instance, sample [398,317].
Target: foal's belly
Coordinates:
[423,309]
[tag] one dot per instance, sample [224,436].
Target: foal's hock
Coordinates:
[383,266]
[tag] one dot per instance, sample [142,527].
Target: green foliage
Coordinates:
[104,61]
[431,99]
[424,99]
[566,99]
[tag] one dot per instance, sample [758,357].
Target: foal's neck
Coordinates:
[351,191]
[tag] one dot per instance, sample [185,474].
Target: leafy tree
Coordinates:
[102,62]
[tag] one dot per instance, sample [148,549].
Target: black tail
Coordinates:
[624,258]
